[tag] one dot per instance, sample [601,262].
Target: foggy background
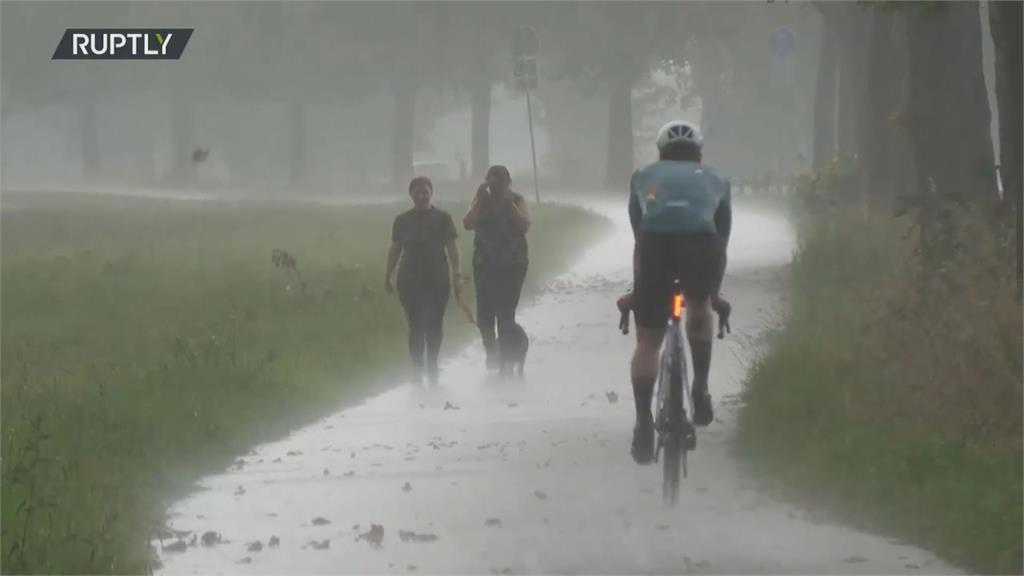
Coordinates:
[352,98]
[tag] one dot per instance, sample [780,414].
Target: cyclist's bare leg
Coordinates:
[699,331]
[644,372]
[644,367]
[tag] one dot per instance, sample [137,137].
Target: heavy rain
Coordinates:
[496,287]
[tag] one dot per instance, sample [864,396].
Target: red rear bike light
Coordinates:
[678,303]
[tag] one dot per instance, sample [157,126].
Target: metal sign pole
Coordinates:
[524,51]
[533,148]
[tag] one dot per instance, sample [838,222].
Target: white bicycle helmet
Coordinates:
[679,131]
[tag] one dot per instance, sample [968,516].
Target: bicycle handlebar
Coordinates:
[720,305]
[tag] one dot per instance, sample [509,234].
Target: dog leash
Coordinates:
[466,312]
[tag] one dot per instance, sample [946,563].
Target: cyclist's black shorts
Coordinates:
[692,258]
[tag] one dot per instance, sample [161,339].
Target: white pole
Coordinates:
[533,148]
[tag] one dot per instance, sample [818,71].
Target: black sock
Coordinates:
[642,392]
[701,352]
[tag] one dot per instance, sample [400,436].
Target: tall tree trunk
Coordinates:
[183,141]
[88,130]
[706,69]
[480,130]
[403,129]
[298,164]
[886,152]
[948,114]
[1005,18]
[619,164]
[824,100]
[947,118]
[852,80]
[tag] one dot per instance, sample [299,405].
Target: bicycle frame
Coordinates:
[673,401]
[673,423]
[673,344]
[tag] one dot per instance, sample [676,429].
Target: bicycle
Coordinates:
[673,423]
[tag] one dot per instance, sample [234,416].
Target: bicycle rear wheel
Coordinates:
[675,451]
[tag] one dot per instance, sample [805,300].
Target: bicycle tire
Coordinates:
[675,452]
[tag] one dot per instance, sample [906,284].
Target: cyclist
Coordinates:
[681,214]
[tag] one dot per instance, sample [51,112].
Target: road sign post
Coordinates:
[524,67]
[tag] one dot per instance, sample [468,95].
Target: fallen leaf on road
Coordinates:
[375,536]
[410,536]
[178,546]
[321,545]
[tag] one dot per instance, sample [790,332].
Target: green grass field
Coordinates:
[147,342]
[892,397]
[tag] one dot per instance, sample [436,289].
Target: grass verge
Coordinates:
[146,342]
[892,397]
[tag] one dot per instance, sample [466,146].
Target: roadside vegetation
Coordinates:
[148,342]
[892,396]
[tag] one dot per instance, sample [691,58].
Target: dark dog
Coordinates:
[513,352]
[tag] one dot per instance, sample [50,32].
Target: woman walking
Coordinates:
[500,219]
[423,248]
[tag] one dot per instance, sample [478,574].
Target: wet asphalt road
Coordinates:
[486,476]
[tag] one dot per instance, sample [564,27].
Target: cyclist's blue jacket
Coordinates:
[671,196]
